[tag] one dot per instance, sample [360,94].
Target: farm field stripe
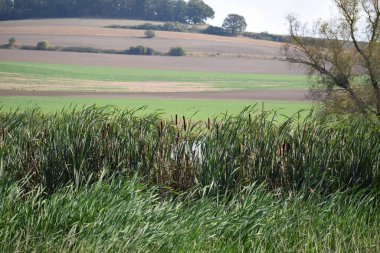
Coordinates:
[198,109]
[221,80]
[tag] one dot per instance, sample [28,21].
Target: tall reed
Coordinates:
[84,145]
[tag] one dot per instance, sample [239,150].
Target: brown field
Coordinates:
[18,82]
[208,64]
[91,34]
[259,95]
[207,53]
[211,53]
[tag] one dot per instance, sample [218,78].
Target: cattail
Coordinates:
[177,138]
[184,123]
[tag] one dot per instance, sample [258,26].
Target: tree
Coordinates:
[198,12]
[150,34]
[235,24]
[343,54]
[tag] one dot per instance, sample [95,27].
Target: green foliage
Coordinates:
[265,36]
[12,42]
[234,24]
[196,11]
[140,50]
[78,146]
[81,49]
[177,51]
[150,34]
[168,26]
[215,30]
[42,45]
[68,179]
[127,216]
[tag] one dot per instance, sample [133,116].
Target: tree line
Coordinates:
[192,12]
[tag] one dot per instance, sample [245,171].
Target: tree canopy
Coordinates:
[234,24]
[195,11]
[198,12]
[344,55]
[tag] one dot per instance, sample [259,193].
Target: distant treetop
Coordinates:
[193,12]
[235,24]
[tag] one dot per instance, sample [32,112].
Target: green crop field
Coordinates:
[112,74]
[198,109]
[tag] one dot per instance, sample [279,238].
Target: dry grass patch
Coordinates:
[30,83]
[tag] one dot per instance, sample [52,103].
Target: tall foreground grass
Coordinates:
[125,216]
[97,180]
[222,154]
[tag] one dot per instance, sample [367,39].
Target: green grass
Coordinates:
[201,109]
[220,80]
[104,180]
[129,217]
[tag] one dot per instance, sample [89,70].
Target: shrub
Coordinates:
[177,51]
[137,50]
[149,51]
[140,50]
[150,34]
[215,30]
[12,42]
[42,45]
[81,49]
[168,26]
[265,36]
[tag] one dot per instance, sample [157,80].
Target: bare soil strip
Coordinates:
[260,95]
[10,81]
[89,33]
[63,30]
[206,64]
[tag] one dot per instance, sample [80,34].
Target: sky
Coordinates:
[270,15]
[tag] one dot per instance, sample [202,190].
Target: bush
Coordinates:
[215,30]
[81,49]
[150,34]
[265,36]
[149,51]
[12,42]
[140,50]
[137,50]
[177,51]
[42,45]
[168,26]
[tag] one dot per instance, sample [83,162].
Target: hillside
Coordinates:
[226,53]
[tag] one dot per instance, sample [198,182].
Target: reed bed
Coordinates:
[100,179]
[224,154]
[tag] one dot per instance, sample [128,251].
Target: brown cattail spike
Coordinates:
[184,123]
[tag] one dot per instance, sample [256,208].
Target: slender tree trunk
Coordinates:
[357,100]
[378,103]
